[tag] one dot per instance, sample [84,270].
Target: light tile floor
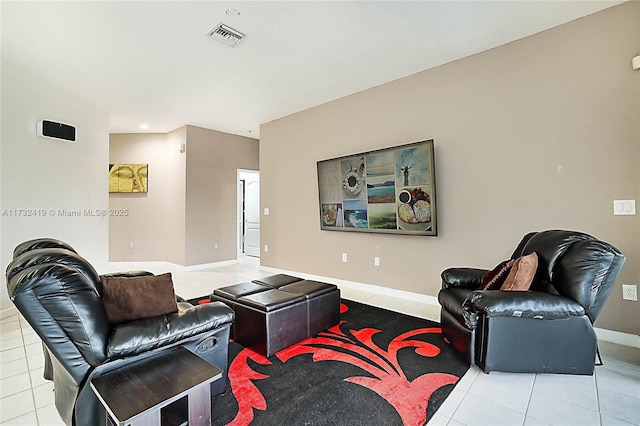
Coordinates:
[610,397]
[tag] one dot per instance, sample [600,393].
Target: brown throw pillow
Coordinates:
[521,275]
[495,277]
[133,298]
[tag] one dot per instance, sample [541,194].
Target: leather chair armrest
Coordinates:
[135,337]
[182,304]
[463,277]
[521,304]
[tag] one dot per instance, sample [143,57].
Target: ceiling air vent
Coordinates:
[226,34]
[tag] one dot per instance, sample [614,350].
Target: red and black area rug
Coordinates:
[376,367]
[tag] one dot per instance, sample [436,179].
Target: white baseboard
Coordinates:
[617,337]
[140,265]
[400,294]
[191,268]
[161,264]
[9,312]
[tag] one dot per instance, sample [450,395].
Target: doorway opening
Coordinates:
[248,213]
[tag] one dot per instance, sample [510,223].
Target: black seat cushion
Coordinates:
[233,292]
[150,334]
[309,288]
[271,300]
[277,281]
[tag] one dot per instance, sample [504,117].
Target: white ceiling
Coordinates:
[152,62]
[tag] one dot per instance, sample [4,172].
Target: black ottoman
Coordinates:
[277,281]
[229,295]
[323,303]
[233,292]
[271,320]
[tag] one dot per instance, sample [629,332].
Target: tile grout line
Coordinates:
[32,387]
[24,351]
[466,393]
[595,383]
[526,410]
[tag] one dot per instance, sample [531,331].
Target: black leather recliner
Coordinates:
[60,294]
[547,329]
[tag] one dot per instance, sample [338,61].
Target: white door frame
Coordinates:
[240,175]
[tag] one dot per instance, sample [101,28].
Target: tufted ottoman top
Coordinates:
[309,288]
[277,281]
[271,300]
[233,292]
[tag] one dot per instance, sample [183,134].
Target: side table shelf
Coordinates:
[172,388]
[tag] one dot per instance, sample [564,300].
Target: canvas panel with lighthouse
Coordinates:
[390,191]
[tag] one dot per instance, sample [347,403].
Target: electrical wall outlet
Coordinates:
[630,292]
[266,248]
[344,257]
[376,261]
[624,207]
[130,245]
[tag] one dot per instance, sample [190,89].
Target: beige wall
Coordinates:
[154,222]
[542,133]
[213,160]
[50,176]
[191,202]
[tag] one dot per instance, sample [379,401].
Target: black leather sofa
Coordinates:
[547,329]
[60,294]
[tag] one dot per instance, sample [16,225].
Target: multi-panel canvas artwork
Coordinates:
[389,191]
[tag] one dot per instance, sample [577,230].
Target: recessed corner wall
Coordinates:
[542,133]
[213,160]
[190,205]
[151,226]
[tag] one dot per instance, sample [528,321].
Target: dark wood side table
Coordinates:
[172,388]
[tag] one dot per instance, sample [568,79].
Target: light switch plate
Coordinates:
[624,207]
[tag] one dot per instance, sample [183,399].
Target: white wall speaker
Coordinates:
[55,130]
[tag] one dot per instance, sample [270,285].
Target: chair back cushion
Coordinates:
[64,309]
[519,250]
[576,264]
[63,256]
[550,246]
[39,243]
[587,273]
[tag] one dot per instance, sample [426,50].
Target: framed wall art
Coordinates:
[128,177]
[390,190]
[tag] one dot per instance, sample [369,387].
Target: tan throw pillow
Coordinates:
[133,298]
[522,272]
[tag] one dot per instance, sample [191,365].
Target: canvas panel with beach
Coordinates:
[355,214]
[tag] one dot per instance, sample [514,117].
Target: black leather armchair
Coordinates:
[547,329]
[60,294]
